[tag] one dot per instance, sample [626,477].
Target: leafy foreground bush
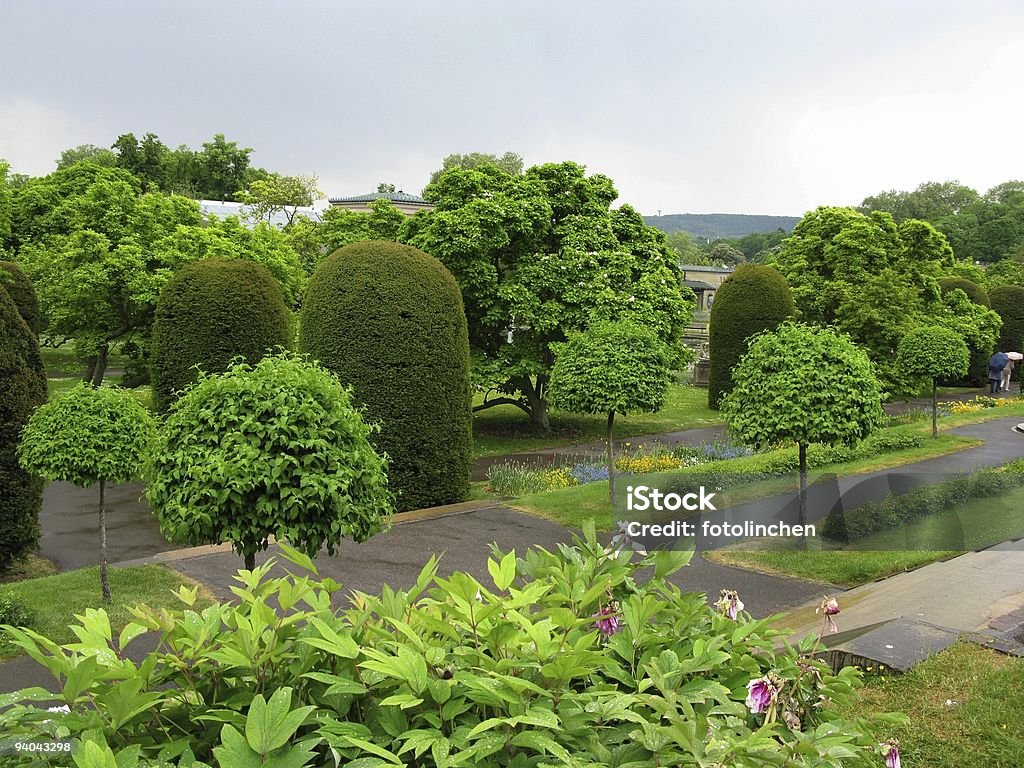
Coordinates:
[569,659]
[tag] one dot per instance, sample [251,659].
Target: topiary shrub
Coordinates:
[22,390]
[754,298]
[1008,303]
[974,292]
[23,293]
[209,313]
[387,319]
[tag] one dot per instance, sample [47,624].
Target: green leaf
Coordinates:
[270,725]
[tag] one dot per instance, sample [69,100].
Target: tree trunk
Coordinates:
[104,581]
[803,492]
[611,461]
[537,399]
[90,369]
[250,561]
[101,365]
[935,411]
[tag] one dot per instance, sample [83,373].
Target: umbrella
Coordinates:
[998,361]
[1015,355]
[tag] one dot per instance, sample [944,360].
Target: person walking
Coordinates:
[996,363]
[1004,385]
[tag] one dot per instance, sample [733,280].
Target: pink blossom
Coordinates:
[729,603]
[891,753]
[607,620]
[761,693]
[829,607]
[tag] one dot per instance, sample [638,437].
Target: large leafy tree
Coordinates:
[277,194]
[89,436]
[276,449]
[933,352]
[803,384]
[540,255]
[510,162]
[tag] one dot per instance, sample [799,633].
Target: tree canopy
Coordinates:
[509,162]
[933,352]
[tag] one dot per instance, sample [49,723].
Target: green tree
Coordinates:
[88,436]
[279,194]
[341,226]
[211,312]
[1005,272]
[86,153]
[538,256]
[223,167]
[509,162]
[147,160]
[276,449]
[684,249]
[387,320]
[611,367]
[752,299]
[6,205]
[974,319]
[933,352]
[384,188]
[23,388]
[802,384]
[724,254]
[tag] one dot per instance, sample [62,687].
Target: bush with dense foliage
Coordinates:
[276,449]
[89,435]
[21,290]
[1008,303]
[752,299]
[566,658]
[977,371]
[22,390]
[387,319]
[211,312]
[933,352]
[974,291]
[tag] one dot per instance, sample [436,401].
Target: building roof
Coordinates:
[704,268]
[698,285]
[223,209]
[394,197]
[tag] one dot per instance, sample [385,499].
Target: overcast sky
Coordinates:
[746,107]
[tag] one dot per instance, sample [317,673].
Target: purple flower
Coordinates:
[761,694]
[829,607]
[729,603]
[891,753]
[607,619]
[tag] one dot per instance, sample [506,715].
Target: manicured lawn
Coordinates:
[54,600]
[505,429]
[964,706]
[572,506]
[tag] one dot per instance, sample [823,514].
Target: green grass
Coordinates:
[975,525]
[574,505]
[964,706]
[54,600]
[505,429]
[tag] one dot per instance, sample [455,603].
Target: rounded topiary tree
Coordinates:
[754,298]
[387,319]
[275,449]
[211,312]
[22,390]
[612,367]
[803,384]
[23,293]
[1008,303]
[90,435]
[933,352]
[974,292]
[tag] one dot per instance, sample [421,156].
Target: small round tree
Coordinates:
[89,436]
[754,298]
[211,312]
[274,449]
[21,290]
[22,390]
[933,352]
[387,319]
[1008,303]
[803,384]
[612,367]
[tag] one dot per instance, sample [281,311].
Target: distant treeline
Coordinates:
[721,225]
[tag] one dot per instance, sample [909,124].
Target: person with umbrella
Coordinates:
[1008,370]
[996,363]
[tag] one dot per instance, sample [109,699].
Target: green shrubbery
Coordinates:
[387,319]
[974,291]
[977,368]
[895,511]
[754,298]
[567,658]
[22,390]
[209,313]
[1008,303]
[21,290]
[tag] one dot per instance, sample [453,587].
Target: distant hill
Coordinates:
[715,225]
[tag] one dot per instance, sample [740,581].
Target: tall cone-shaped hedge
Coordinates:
[209,313]
[388,320]
[21,290]
[1008,303]
[752,299]
[22,390]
